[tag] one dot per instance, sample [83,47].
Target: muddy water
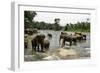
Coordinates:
[54,42]
[82,47]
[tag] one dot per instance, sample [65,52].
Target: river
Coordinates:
[82,47]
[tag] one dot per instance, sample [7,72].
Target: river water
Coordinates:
[82,47]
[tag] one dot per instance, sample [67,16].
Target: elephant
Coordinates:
[84,36]
[30,31]
[41,41]
[47,41]
[80,36]
[64,33]
[49,35]
[37,42]
[46,44]
[78,33]
[69,38]
[62,36]
[35,31]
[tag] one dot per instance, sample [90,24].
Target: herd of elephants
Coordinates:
[41,42]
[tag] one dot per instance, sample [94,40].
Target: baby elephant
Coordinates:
[47,42]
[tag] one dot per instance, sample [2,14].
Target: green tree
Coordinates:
[56,24]
[28,18]
[66,27]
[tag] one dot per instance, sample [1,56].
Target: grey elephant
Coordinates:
[66,37]
[47,41]
[40,43]
[30,31]
[80,36]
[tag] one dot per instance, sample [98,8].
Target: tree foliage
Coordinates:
[30,23]
[79,26]
[28,18]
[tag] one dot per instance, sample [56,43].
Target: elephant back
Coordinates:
[40,37]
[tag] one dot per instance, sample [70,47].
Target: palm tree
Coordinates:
[56,24]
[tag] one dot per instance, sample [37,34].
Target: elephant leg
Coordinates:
[82,38]
[63,43]
[47,46]
[74,40]
[33,46]
[70,42]
[42,50]
[85,37]
[38,48]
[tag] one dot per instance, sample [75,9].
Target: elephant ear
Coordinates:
[50,35]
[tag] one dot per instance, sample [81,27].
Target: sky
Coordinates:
[65,18]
